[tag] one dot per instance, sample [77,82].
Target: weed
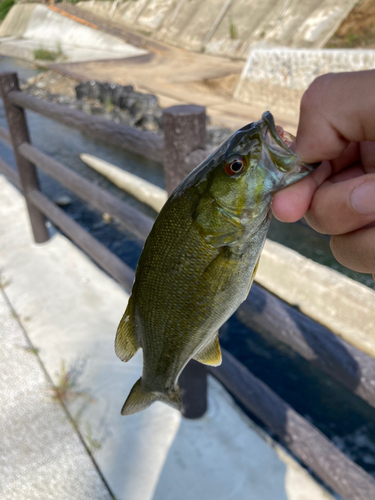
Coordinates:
[5,7]
[32,350]
[42,54]
[232,30]
[4,282]
[108,105]
[66,388]
[92,443]
[351,39]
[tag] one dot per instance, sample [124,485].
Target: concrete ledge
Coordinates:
[34,26]
[337,302]
[229,27]
[276,78]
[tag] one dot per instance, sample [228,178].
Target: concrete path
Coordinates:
[69,309]
[41,454]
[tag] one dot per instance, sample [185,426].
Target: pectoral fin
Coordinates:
[126,344]
[210,354]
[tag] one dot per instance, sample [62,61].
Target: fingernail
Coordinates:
[363,198]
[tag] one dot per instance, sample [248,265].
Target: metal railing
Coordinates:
[184,133]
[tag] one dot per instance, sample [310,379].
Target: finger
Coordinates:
[356,250]
[336,109]
[344,206]
[291,203]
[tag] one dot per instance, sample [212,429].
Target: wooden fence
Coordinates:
[184,137]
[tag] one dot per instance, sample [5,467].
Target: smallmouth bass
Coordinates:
[200,259]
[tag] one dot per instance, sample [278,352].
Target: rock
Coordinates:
[216,135]
[63,200]
[91,89]
[122,116]
[142,103]
[148,122]
[82,90]
[107,91]
[120,95]
[66,100]
[107,218]
[84,106]
[97,110]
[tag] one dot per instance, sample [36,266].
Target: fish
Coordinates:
[200,259]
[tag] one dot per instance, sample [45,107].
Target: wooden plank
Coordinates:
[26,170]
[267,314]
[184,132]
[144,143]
[133,220]
[114,266]
[302,438]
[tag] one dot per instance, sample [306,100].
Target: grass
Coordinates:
[4,282]
[108,105]
[92,443]
[66,388]
[232,30]
[32,350]
[5,7]
[42,54]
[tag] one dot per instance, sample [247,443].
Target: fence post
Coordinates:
[184,132]
[26,170]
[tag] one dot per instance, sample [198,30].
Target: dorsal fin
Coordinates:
[126,344]
[210,354]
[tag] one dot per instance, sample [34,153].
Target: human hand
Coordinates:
[337,126]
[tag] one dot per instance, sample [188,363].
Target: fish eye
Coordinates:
[235,165]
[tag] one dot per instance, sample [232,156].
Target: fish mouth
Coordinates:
[278,146]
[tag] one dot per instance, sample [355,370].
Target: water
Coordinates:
[340,415]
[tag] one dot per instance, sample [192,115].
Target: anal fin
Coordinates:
[126,344]
[210,354]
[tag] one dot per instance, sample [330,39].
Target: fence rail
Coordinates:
[144,143]
[184,132]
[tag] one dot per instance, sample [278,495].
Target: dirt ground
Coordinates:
[358,29]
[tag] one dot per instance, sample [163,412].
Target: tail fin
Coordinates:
[139,399]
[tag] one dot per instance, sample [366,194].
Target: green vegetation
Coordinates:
[32,350]
[42,54]
[4,282]
[109,106]
[92,444]
[66,388]
[232,30]
[5,7]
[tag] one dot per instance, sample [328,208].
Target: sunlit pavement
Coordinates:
[69,309]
